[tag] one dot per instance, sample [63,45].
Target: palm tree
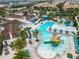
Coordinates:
[2,11]
[27,28]
[1,43]
[50,28]
[69,55]
[75,24]
[78,35]
[35,33]
[20,55]
[10,32]
[23,33]
[25,13]
[1,38]
[19,44]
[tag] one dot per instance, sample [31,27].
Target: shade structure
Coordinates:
[67,32]
[55,30]
[73,33]
[66,29]
[61,30]
[45,16]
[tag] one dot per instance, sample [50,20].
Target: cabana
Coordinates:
[61,30]
[66,29]
[45,16]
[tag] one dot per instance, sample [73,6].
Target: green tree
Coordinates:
[69,55]
[35,33]
[1,38]
[25,13]
[78,35]
[78,18]
[36,8]
[19,44]
[75,24]
[2,11]
[23,33]
[60,6]
[70,17]
[20,55]
[1,43]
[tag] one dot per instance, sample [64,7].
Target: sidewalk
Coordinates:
[33,53]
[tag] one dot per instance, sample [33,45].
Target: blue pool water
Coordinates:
[44,26]
[47,37]
[76,43]
[33,19]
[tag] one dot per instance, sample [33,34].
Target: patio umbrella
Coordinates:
[67,32]
[61,30]
[55,30]
[73,33]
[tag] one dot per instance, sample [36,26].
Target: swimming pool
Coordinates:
[47,49]
[45,35]
[44,26]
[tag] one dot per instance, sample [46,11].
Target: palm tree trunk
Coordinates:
[10,32]
[77,28]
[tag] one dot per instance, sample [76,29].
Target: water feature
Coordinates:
[47,50]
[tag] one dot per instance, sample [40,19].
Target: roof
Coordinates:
[64,28]
[16,16]
[71,5]
[15,29]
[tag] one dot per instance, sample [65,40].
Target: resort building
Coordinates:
[68,4]
[44,34]
[10,27]
[16,17]
[45,4]
[71,5]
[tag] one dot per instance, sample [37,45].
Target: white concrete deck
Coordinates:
[9,56]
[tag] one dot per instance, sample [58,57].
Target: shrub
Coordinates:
[69,55]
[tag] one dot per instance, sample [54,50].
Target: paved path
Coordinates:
[72,46]
[33,53]
[9,56]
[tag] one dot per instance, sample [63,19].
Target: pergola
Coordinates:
[64,29]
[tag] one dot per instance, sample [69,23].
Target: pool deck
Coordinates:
[33,51]
[34,54]
[72,46]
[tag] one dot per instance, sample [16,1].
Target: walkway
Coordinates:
[9,56]
[72,46]
[33,53]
